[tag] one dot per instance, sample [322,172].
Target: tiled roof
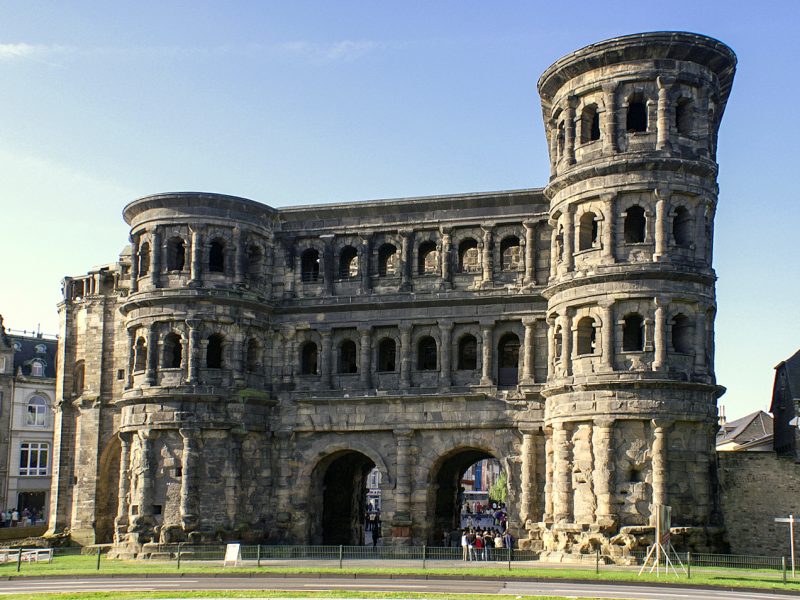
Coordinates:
[27,354]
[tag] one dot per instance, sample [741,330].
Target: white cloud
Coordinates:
[34,52]
[343,51]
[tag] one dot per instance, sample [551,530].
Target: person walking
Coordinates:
[376,535]
[465,544]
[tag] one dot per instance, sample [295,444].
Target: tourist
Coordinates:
[465,544]
[14,517]
[478,545]
[376,534]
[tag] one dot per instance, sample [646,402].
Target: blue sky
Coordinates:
[312,102]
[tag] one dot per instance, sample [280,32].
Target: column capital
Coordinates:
[661,424]
[662,301]
[530,321]
[487,227]
[405,327]
[665,81]
[445,230]
[662,193]
[364,329]
[325,332]
[572,100]
[606,304]
[188,433]
[446,324]
[603,422]
[403,434]
[193,323]
[406,233]
[487,323]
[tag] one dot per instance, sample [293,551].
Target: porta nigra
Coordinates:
[240,369]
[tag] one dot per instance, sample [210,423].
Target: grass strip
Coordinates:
[277,594]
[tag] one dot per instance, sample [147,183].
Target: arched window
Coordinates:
[176,254]
[387,350]
[683,116]
[140,355]
[467,353]
[682,227]
[255,263]
[586,336]
[510,254]
[635,223]
[173,351]
[426,354]
[253,355]
[508,359]
[587,231]
[144,259]
[309,266]
[348,362]
[560,137]
[216,256]
[426,260]
[682,334]
[633,333]
[558,344]
[214,351]
[636,119]
[37,369]
[469,260]
[308,359]
[348,262]
[78,378]
[590,124]
[387,260]
[37,411]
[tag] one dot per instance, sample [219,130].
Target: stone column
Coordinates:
[289,355]
[327,266]
[527,509]
[662,223]
[566,342]
[152,355]
[659,464]
[553,249]
[528,350]
[547,517]
[189,489]
[529,277]
[131,357]
[487,341]
[607,335]
[407,260]
[609,251]
[405,355]
[146,499]
[445,257]
[486,260]
[445,361]
[663,118]
[364,251]
[401,524]
[326,359]
[700,341]
[364,366]
[123,497]
[239,256]
[562,473]
[134,264]
[196,266]
[551,347]
[572,103]
[155,262]
[552,142]
[602,443]
[194,351]
[610,100]
[660,337]
[569,237]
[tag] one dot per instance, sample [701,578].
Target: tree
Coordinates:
[499,490]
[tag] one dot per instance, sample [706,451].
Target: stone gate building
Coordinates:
[240,369]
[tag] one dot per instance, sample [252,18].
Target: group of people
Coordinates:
[12,517]
[483,544]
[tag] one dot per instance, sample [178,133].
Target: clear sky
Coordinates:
[310,102]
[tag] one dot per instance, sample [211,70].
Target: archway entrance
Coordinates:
[340,482]
[107,492]
[463,495]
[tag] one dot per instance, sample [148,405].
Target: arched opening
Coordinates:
[309,266]
[468,256]
[309,359]
[426,354]
[216,256]
[253,355]
[78,378]
[467,353]
[144,259]
[590,124]
[348,357]
[37,412]
[636,119]
[558,343]
[510,254]
[107,491]
[214,352]
[387,260]
[560,139]
[682,334]
[470,492]
[633,333]
[339,499]
[140,354]
[683,116]
[635,224]
[173,351]
[176,254]
[586,336]
[387,351]
[426,258]
[348,262]
[587,231]
[508,360]
[682,227]
[255,264]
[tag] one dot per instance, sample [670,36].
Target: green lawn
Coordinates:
[270,594]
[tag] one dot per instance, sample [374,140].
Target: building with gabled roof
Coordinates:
[751,433]
[785,406]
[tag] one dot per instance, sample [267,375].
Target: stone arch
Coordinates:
[107,498]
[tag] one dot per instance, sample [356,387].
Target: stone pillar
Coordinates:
[364,251]
[553,249]
[551,347]
[327,265]
[401,524]
[610,100]
[528,351]
[562,473]
[662,226]
[700,341]
[607,335]
[289,355]
[487,341]
[552,142]
[566,342]
[407,261]
[196,265]
[609,251]
[602,444]
[146,498]
[486,260]
[569,238]
[193,362]
[189,489]
[364,366]
[152,355]
[547,517]
[527,509]
[238,256]
[326,359]
[660,337]
[445,257]
[572,103]
[445,360]
[659,464]
[663,118]
[529,277]
[131,357]
[155,262]
[405,355]
[134,264]
[123,497]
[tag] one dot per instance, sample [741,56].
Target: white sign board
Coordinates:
[233,555]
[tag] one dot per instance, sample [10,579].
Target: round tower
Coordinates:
[631,395]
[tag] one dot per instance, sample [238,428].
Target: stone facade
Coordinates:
[246,367]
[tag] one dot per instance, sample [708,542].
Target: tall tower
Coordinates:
[631,395]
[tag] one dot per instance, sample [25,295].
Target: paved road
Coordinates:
[312,584]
